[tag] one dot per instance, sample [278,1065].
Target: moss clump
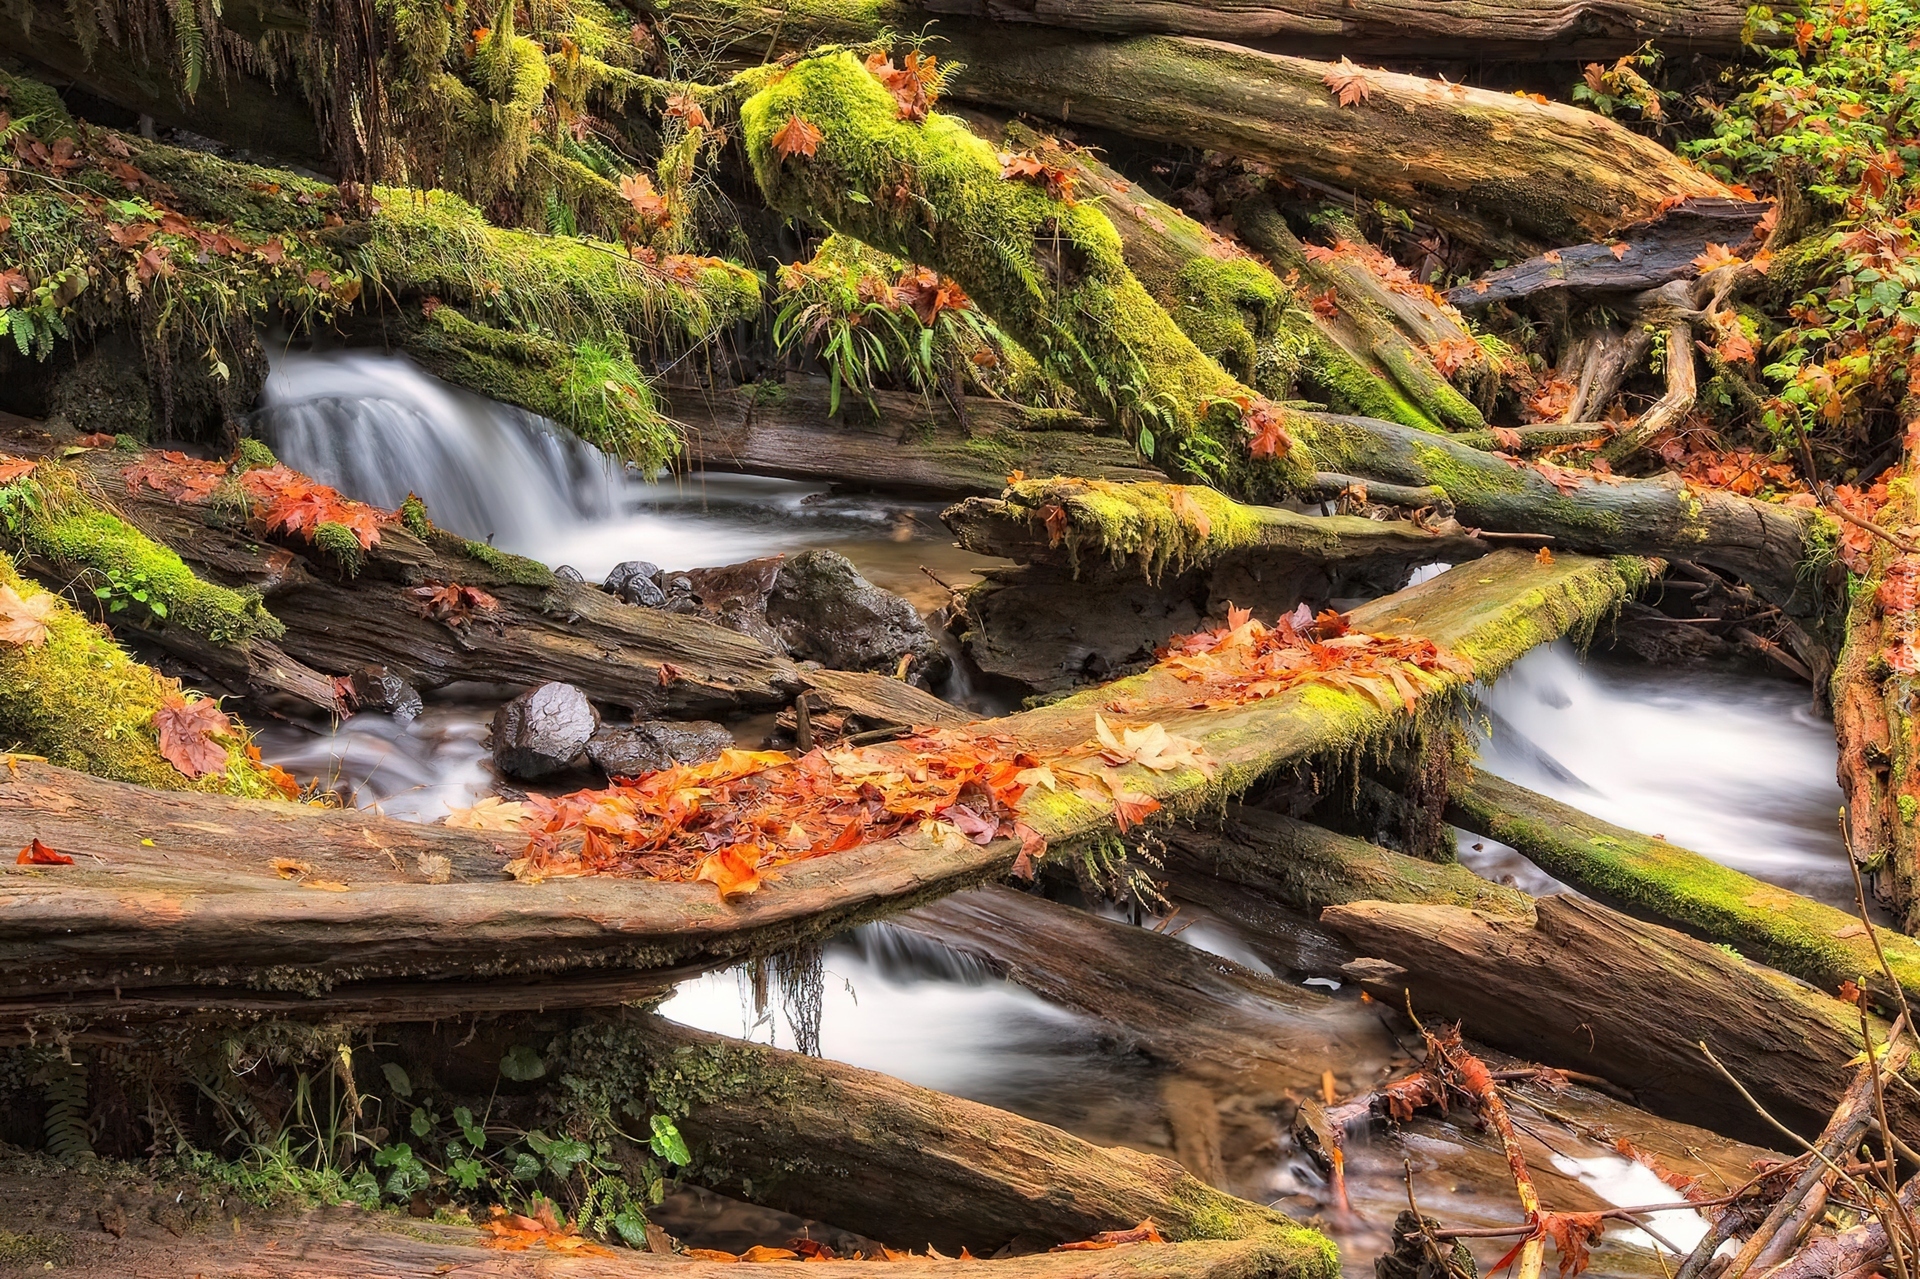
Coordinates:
[252,455]
[79,701]
[339,544]
[517,569]
[1051,274]
[413,516]
[48,514]
[1154,525]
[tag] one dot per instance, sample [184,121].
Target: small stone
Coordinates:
[632,581]
[568,573]
[543,730]
[376,688]
[652,745]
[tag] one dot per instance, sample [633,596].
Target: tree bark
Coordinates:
[1670,885]
[1587,988]
[916,1167]
[915,445]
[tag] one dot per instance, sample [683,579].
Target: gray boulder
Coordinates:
[376,688]
[653,745]
[825,611]
[633,581]
[543,730]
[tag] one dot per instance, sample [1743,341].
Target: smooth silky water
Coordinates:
[1731,766]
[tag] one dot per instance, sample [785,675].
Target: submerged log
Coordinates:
[915,445]
[167,1229]
[204,903]
[897,1162]
[1657,880]
[1585,987]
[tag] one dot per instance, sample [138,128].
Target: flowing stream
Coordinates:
[1730,766]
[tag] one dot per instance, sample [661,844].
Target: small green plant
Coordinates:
[123,589]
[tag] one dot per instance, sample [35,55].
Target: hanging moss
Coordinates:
[79,701]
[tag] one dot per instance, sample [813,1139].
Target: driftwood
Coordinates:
[916,445]
[1588,988]
[1657,880]
[1391,28]
[901,1163]
[204,905]
[163,1230]
[1653,254]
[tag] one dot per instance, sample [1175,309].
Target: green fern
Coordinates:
[191,42]
[64,1089]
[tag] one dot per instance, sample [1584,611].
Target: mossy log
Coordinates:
[78,700]
[1640,257]
[1657,880]
[914,445]
[1309,868]
[1237,1050]
[1390,335]
[204,905]
[1256,326]
[912,1166]
[1494,29]
[340,617]
[1584,987]
[1472,161]
[169,1228]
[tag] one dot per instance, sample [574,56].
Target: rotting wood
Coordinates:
[1587,988]
[1657,880]
[898,1162]
[915,445]
[54,1215]
[204,905]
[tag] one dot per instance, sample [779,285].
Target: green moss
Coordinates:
[413,514]
[517,569]
[253,455]
[339,544]
[1050,274]
[1140,522]
[1909,808]
[48,514]
[79,701]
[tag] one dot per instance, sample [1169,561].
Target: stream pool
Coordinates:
[1731,766]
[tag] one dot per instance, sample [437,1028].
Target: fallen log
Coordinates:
[1245,1050]
[203,904]
[1585,987]
[1309,868]
[914,445]
[1110,572]
[164,1229]
[897,1162]
[1471,161]
[1660,881]
[1637,258]
[1391,28]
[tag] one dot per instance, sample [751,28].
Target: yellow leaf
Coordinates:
[491,813]
[24,621]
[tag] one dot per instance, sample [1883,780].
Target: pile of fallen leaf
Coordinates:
[1245,660]
[284,499]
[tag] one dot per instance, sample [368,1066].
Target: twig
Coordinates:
[1495,1232]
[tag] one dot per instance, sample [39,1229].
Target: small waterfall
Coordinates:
[377,428]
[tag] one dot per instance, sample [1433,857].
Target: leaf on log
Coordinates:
[1028,167]
[1348,82]
[682,106]
[637,190]
[491,813]
[914,84]
[24,621]
[38,854]
[186,731]
[12,468]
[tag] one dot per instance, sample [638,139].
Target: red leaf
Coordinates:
[38,854]
[796,137]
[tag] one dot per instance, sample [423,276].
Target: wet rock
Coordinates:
[632,581]
[652,745]
[376,688]
[735,596]
[824,610]
[568,573]
[543,730]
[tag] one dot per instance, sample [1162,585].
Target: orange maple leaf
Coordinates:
[186,730]
[796,137]
[1348,82]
